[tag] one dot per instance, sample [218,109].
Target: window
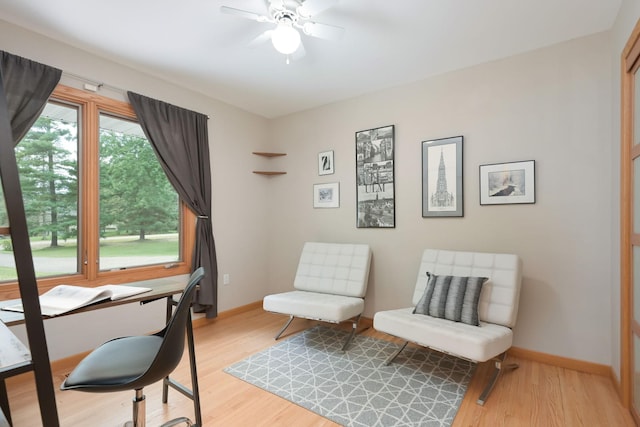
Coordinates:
[139,209]
[99,207]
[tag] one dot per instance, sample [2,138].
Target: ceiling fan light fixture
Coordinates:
[285,38]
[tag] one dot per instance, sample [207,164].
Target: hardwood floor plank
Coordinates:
[535,394]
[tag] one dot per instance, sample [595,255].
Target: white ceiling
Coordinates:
[386,43]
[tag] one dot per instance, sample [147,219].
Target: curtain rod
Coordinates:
[95,85]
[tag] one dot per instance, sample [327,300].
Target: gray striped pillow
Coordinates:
[423,305]
[455,298]
[438,301]
[452,297]
[471,297]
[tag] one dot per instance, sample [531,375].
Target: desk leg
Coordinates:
[194,374]
[194,393]
[4,402]
[165,383]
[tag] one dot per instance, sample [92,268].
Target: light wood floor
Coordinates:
[533,395]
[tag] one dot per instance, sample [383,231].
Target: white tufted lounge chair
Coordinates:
[497,310]
[330,285]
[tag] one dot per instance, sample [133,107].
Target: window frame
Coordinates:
[91,105]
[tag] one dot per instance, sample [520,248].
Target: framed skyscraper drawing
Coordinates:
[375,204]
[442,177]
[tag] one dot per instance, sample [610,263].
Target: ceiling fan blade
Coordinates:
[276,4]
[243,14]
[261,39]
[323,31]
[313,7]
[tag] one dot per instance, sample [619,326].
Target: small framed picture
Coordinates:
[326,195]
[325,163]
[442,177]
[508,183]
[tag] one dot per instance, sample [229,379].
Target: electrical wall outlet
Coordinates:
[226,279]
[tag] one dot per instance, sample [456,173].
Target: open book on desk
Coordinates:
[12,350]
[64,298]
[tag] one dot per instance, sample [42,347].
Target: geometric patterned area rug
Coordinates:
[353,388]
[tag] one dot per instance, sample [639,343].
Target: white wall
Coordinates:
[239,197]
[627,17]
[552,106]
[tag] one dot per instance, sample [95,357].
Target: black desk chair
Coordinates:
[131,363]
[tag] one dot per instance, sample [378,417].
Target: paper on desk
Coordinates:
[65,298]
[12,350]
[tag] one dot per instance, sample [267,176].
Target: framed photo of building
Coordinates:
[375,204]
[508,183]
[326,195]
[442,177]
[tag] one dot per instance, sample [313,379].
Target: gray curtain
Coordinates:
[27,87]
[180,140]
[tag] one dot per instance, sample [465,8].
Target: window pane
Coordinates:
[4,221]
[139,209]
[636,195]
[636,119]
[636,374]
[47,160]
[636,284]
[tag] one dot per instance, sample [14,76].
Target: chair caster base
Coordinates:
[170,423]
[177,421]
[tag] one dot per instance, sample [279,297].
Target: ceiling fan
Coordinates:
[290,17]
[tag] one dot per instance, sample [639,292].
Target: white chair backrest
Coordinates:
[500,294]
[334,268]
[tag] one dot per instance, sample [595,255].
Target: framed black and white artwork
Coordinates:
[375,204]
[442,177]
[326,195]
[325,163]
[508,183]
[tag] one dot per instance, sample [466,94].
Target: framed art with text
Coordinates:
[508,183]
[442,177]
[375,204]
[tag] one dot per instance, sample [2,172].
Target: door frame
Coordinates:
[630,63]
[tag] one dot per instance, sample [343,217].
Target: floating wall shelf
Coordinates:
[269,173]
[268,154]
[262,153]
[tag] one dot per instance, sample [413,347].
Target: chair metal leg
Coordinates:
[395,354]
[498,368]
[139,411]
[286,325]
[140,418]
[354,327]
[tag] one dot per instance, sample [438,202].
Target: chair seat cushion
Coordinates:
[115,365]
[314,305]
[477,343]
